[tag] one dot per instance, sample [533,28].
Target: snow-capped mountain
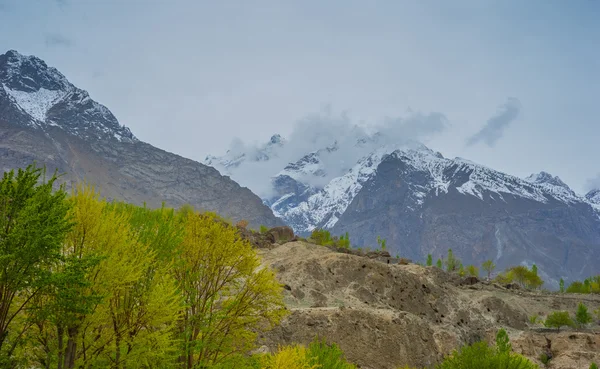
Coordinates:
[234,157]
[46,119]
[48,99]
[399,191]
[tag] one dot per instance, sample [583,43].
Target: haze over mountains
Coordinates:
[45,118]
[422,202]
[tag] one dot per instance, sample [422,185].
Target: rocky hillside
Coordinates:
[422,202]
[45,118]
[385,315]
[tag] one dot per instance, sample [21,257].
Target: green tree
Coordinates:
[227,295]
[381,242]
[582,316]
[473,271]
[525,277]
[344,241]
[33,225]
[263,229]
[439,263]
[562,285]
[488,266]
[559,319]
[321,237]
[429,260]
[593,366]
[452,263]
[534,269]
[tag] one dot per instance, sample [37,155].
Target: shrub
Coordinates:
[322,355]
[288,357]
[481,356]
[582,316]
[264,229]
[593,366]
[544,358]
[534,319]
[344,241]
[559,319]
[439,263]
[321,237]
[502,341]
[318,354]
[429,260]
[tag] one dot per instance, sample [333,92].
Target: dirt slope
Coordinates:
[388,315]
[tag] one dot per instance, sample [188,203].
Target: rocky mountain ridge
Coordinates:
[46,119]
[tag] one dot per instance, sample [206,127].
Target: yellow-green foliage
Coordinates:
[226,293]
[319,354]
[521,275]
[559,319]
[481,356]
[129,287]
[589,285]
[473,271]
[288,357]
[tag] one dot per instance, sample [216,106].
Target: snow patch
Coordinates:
[37,103]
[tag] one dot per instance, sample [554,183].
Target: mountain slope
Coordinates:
[422,203]
[44,118]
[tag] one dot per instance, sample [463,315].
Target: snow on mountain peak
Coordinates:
[48,99]
[593,196]
[546,178]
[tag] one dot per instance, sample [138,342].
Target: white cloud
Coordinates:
[326,129]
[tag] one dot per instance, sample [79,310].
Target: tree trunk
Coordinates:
[71,348]
[61,345]
[117,345]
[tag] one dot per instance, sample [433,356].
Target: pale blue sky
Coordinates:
[189,76]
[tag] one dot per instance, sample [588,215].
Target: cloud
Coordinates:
[55,39]
[593,183]
[322,130]
[495,126]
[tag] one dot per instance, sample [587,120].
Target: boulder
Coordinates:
[280,234]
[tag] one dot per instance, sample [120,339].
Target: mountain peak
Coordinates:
[594,196]
[44,98]
[546,178]
[276,139]
[30,73]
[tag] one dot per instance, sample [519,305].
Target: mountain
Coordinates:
[45,118]
[422,202]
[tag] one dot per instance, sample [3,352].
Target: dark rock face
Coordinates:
[280,234]
[46,119]
[562,239]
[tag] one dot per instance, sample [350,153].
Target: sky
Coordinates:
[514,84]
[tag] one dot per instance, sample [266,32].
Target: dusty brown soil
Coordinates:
[389,315]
